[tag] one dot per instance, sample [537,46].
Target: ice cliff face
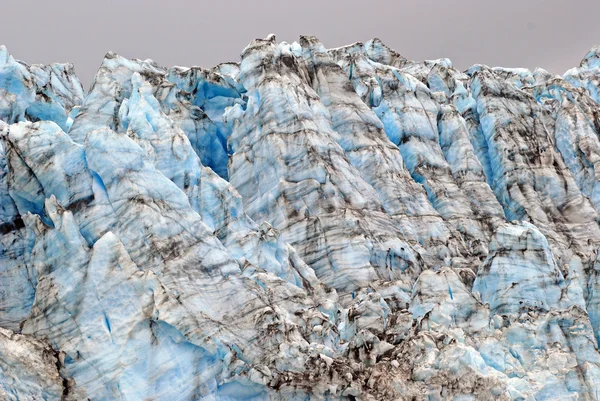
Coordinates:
[341,224]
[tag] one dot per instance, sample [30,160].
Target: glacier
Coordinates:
[306,223]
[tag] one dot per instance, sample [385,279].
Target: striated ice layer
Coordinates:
[529,176]
[362,137]
[409,113]
[217,202]
[576,131]
[341,224]
[102,290]
[306,187]
[16,292]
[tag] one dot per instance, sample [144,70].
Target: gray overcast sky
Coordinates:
[552,34]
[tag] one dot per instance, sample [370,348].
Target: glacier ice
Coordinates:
[308,223]
[37,92]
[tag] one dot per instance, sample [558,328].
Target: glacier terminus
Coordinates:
[304,224]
